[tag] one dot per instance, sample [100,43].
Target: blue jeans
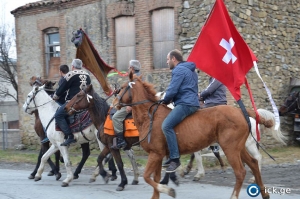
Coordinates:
[175,117]
[61,119]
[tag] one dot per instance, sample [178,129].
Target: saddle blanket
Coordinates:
[129,126]
[81,121]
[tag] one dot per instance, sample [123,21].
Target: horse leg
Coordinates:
[135,168]
[113,169]
[117,156]
[102,171]
[253,164]
[200,173]
[234,158]
[54,167]
[57,166]
[253,150]
[154,167]
[44,158]
[67,162]
[189,166]
[218,156]
[85,148]
[31,176]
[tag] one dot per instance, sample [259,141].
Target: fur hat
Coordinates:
[135,64]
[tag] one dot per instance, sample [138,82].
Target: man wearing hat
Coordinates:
[73,82]
[119,117]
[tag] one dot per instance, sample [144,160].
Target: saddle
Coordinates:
[77,122]
[129,126]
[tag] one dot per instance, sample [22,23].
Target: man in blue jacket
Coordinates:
[183,91]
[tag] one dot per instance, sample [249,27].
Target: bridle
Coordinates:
[151,115]
[88,97]
[32,99]
[128,88]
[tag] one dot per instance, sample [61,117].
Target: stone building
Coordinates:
[146,30]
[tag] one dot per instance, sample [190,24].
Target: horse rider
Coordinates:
[120,115]
[63,70]
[213,95]
[183,91]
[73,82]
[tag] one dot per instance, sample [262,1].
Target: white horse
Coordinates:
[39,99]
[250,142]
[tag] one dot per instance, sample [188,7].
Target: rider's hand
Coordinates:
[55,97]
[161,101]
[128,109]
[117,91]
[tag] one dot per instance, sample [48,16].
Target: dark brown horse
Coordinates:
[223,124]
[38,128]
[291,104]
[98,109]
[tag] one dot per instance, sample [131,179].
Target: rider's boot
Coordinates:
[69,141]
[119,141]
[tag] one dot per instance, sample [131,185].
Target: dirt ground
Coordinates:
[283,175]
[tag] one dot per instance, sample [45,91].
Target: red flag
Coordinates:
[221,52]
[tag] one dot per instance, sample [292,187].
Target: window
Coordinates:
[163,36]
[52,49]
[125,41]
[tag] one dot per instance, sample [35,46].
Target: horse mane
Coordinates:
[100,105]
[150,91]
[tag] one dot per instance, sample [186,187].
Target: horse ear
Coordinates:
[131,76]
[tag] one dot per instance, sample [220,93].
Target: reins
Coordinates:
[151,116]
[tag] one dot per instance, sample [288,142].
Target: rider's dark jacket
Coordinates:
[73,82]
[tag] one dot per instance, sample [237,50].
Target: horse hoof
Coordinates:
[58,176]
[196,178]
[106,179]
[75,177]
[120,189]
[92,180]
[113,178]
[37,178]
[50,173]
[172,193]
[64,184]
[267,197]
[30,177]
[135,182]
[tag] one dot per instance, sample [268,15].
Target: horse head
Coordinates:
[291,103]
[30,106]
[38,81]
[145,93]
[81,101]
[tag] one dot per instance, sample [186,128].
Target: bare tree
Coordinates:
[8,67]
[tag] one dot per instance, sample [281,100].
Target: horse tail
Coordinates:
[267,124]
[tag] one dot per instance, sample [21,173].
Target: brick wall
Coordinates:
[271,29]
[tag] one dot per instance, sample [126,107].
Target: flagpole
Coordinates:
[246,115]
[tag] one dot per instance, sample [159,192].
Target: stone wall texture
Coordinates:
[271,28]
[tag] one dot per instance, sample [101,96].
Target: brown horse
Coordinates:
[38,128]
[223,124]
[98,109]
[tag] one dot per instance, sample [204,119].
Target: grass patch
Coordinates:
[288,154]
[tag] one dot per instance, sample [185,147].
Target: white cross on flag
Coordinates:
[221,52]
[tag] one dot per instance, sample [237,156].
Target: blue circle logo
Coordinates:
[253,190]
